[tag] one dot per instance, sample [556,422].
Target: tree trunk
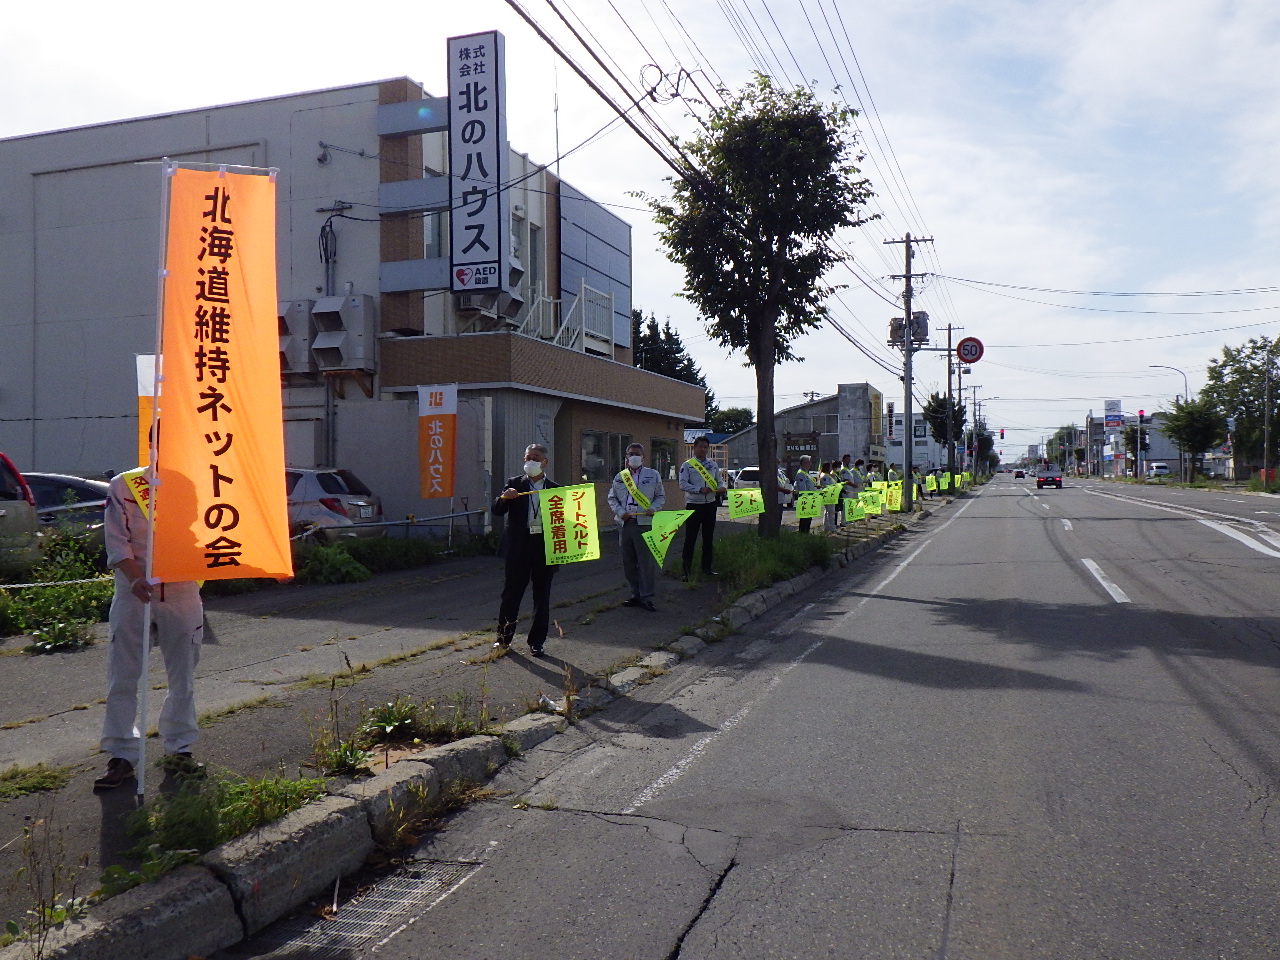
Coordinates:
[766,434]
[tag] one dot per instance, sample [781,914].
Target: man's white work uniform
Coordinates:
[638,565]
[177,621]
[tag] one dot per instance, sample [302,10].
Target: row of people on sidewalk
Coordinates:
[176,612]
[853,477]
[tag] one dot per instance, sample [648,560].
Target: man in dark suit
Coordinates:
[522,547]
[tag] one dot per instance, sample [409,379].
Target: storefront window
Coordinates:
[663,457]
[602,454]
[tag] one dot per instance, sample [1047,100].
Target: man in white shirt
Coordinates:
[177,621]
[635,496]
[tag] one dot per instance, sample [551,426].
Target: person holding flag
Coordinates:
[804,483]
[177,622]
[524,549]
[700,480]
[635,496]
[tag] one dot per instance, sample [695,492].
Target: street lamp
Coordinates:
[1186,393]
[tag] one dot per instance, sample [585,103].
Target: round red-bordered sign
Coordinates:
[969,350]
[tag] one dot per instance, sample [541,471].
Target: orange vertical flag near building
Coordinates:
[220,506]
[437,435]
[146,366]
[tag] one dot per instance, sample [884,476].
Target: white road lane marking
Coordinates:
[1108,584]
[1259,528]
[1066,524]
[1243,537]
[699,748]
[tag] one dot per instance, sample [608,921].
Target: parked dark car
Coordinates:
[19,530]
[69,503]
[1048,477]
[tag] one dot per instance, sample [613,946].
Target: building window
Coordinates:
[433,235]
[663,453]
[603,454]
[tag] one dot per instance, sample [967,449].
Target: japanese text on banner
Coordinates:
[220,506]
[665,525]
[745,503]
[570,532]
[437,439]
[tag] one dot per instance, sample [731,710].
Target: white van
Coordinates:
[1158,470]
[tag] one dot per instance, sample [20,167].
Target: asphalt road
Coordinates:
[1042,725]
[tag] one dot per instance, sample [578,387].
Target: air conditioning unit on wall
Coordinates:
[484,303]
[344,338]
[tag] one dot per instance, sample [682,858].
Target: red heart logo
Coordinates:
[464,275]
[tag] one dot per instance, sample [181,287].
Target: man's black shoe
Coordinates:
[685,578]
[710,573]
[537,651]
[648,605]
[632,602]
[181,764]
[118,771]
[499,645]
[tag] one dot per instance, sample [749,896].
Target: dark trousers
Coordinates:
[805,524]
[525,564]
[704,521]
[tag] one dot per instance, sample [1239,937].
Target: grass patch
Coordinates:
[213,716]
[207,812]
[20,781]
[64,608]
[747,562]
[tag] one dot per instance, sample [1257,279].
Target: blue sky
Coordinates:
[1118,145]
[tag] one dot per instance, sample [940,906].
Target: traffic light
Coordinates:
[1002,433]
[1142,416]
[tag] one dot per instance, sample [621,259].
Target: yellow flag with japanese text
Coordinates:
[745,502]
[665,525]
[220,505]
[570,532]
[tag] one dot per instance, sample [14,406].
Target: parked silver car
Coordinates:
[19,529]
[330,504]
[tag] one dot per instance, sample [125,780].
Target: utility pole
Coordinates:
[951,413]
[908,348]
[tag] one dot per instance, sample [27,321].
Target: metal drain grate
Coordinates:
[389,904]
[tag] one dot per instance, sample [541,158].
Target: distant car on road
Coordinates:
[19,531]
[1019,474]
[1048,477]
[331,504]
[1158,470]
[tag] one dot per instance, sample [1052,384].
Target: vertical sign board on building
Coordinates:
[479,222]
[146,366]
[1112,419]
[437,439]
[220,505]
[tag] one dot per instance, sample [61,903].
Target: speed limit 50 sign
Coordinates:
[969,350]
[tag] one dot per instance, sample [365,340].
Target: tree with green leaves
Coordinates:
[660,350]
[754,227]
[730,420]
[1195,426]
[1239,385]
[934,413]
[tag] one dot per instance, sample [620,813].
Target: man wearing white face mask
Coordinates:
[636,495]
[522,548]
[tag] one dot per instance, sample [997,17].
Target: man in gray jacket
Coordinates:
[635,496]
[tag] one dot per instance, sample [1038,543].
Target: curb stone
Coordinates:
[244,885]
[279,866]
[189,906]
[395,797]
[475,759]
[624,681]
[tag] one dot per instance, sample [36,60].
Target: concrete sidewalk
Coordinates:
[424,634]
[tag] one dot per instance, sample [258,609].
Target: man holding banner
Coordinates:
[703,488]
[524,549]
[178,623]
[635,496]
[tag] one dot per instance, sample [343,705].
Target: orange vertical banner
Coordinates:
[220,507]
[437,439]
[146,367]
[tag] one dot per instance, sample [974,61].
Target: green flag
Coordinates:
[853,509]
[745,503]
[809,505]
[831,493]
[895,497]
[659,536]
[930,483]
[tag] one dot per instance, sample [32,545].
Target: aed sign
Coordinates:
[969,350]
[479,221]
